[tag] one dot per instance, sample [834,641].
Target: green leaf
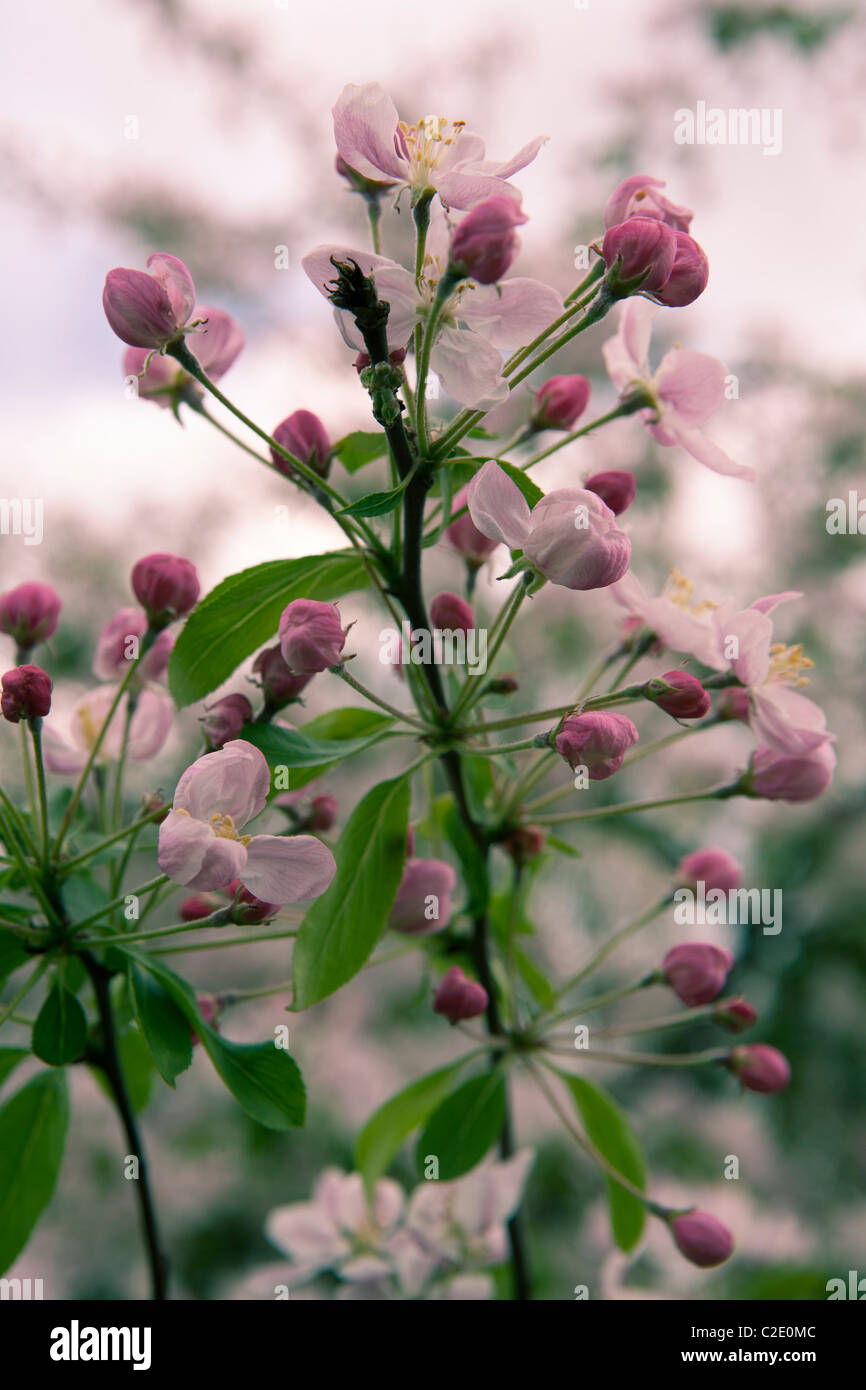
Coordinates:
[263,1078]
[83,895]
[163,1026]
[464,1127]
[531,491]
[375,503]
[243,613]
[342,927]
[294,748]
[359,448]
[472,859]
[537,983]
[564,847]
[60,1030]
[138,1069]
[386,1129]
[612,1135]
[12,954]
[32,1135]
[9,1059]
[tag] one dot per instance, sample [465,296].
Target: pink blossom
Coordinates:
[279,684]
[792,777]
[451,613]
[29,613]
[166,586]
[479,323]
[696,971]
[597,740]
[458,997]
[737,1015]
[702,1238]
[224,719]
[760,1068]
[639,255]
[311,636]
[616,487]
[485,242]
[148,729]
[570,536]
[154,308]
[679,694]
[423,901]
[638,196]
[201,844]
[434,155]
[26,694]
[217,343]
[687,388]
[337,1229]
[559,402]
[689,274]
[114,650]
[713,867]
[465,536]
[303,435]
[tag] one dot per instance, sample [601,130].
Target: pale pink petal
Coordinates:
[219,344]
[365,1267]
[307,1234]
[469,368]
[465,190]
[630,594]
[511,313]
[466,1288]
[753,633]
[518,161]
[287,869]
[59,755]
[317,263]
[234,782]
[388,1203]
[786,720]
[183,845]
[626,353]
[691,384]
[176,280]
[365,122]
[498,507]
[683,631]
[707,452]
[771,601]
[465,154]
[148,728]
[396,286]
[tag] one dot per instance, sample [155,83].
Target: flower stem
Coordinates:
[627,807]
[36,735]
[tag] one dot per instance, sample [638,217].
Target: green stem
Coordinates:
[25,989]
[375,700]
[119,902]
[626,808]
[69,864]
[36,735]
[28,773]
[611,944]
[232,941]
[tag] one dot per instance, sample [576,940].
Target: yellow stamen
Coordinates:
[787,664]
[679,590]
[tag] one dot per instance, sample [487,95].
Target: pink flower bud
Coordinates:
[458,997]
[423,901]
[279,684]
[162,376]
[559,402]
[678,694]
[151,803]
[616,488]
[597,741]
[26,694]
[525,843]
[311,636]
[396,358]
[451,613]
[737,1015]
[702,1239]
[161,379]
[760,1068]
[735,704]
[790,776]
[200,905]
[119,642]
[225,718]
[696,971]
[503,685]
[303,435]
[166,586]
[647,249]
[148,310]
[250,910]
[712,867]
[323,812]
[689,276]
[29,613]
[464,536]
[639,196]
[485,243]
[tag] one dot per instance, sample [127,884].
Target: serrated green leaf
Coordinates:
[60,1030]
[353,721]
[294,748]
[464,1127]
[342,927]
[611,1133]
[531,491]
[359,448]
[472,860]
[163,1025]
[33,1127]
[390,1125]
[375,503]
[243,613]
[264,1080]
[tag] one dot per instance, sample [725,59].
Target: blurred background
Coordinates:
[204,129]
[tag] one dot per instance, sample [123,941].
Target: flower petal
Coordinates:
[752,632]
[365,123]
[306,1233]
[786,720]
[234,782]
[177,283]
[771,601]
[287,869]
[498,507]
[691,384]
[469,368]
[511,313]
[706,451]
